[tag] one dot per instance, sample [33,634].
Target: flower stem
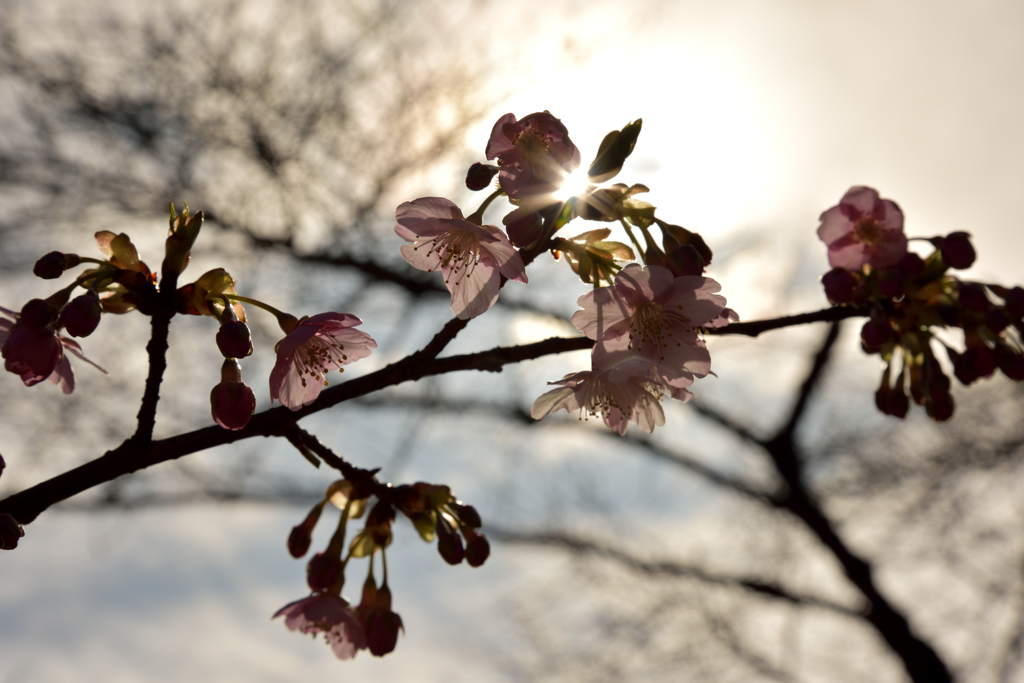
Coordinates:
[629,231]
[287,321]
[477,216]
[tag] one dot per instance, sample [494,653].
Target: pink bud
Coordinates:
[234,339]
[232,403]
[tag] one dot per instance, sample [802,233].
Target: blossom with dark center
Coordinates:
[652,313]
[471,257]
[535,154]
[621,392]
[313,347]
[863,229]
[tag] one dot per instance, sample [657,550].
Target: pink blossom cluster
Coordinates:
[646,328]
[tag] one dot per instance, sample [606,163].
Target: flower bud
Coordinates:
[841,286]
[232,403]
[53,265]
[323,571]
[467,515]
[302,535]
[81,317]
[10,532]
[911,264]
[1010,362]
[480,176]
[613,151]
[39,314]
[876,333]
[234,339]
[382,625]
[449,544]
[957,250]
[673,236]
[524,227]
[477,547]
[1014,299]
[684,259]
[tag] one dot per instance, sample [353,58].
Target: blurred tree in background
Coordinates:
[712,550]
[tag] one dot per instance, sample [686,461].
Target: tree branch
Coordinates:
[582,546]
[130,457]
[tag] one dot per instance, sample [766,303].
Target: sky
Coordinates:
[757,117]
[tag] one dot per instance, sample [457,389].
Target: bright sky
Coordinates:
[757,117]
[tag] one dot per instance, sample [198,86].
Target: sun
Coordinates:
[573,184]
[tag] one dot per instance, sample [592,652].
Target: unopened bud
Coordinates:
[234,339]
[82,315]
[876,333]
[478,549]
[53,265]
[957,250]
[302,535]
[1010,362]
[480,176]
[323,571]
[449,544]
[841,286]
[524,227]
[467,515]
[911,264]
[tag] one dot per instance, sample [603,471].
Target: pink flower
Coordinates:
[232,402]
[330,615]
[622,392]
[38,355]
[314,347]
[472,257]
[535,154]
[863,229]
[652,313]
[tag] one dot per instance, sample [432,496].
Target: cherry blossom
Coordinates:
[863,229]
[535,153]
[623,391]
[315,346]
[330,615]
[37,355]
[471,257]
[656,315]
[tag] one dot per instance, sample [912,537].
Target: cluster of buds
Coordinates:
[910,297]
[372,624]
[35,348]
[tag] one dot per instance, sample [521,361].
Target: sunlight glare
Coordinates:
[574,184]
